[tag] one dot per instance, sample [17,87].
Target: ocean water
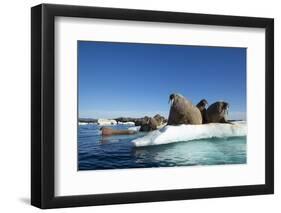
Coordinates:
[118,152]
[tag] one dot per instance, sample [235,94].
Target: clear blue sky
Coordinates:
[127,79]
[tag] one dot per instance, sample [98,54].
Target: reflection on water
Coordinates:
[117,152]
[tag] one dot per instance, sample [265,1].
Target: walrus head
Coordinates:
[182,111]
[224,107]
[203,103]
[173,97]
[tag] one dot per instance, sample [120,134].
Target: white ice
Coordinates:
[129,123]
[82,123]
[106,122]
[172,134]
[134,128]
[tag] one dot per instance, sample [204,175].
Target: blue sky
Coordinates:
[134,80]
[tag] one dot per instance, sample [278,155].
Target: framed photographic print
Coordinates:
[140,106]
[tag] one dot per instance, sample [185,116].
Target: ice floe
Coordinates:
[172,134]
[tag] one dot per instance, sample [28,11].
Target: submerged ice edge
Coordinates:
[172,134]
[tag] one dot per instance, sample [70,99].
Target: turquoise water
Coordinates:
[117,152]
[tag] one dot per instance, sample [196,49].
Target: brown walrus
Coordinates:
[217,112]
[105,131]
[161,120]
[182,111]
[148,124]
[202,107]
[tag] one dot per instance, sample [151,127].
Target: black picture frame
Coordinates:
[43,110]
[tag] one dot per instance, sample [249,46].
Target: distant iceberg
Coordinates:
[172,134]
[129,123]
[106,122]
[134,128]
[83,123]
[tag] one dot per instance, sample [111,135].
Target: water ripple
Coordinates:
[117,152]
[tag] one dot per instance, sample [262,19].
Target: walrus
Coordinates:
[217,112]
[161,120]
[202,107]
[182,111]
[148,125]
[105,131]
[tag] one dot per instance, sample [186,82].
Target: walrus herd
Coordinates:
[182,111]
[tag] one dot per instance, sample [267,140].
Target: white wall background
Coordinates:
[15,105]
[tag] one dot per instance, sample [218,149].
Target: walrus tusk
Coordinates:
[171,101]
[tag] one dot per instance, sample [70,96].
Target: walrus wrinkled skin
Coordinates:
[217,112]
[202,107]
[105,131]
[182,111]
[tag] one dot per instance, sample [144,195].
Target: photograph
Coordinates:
[146,105]
[170,104]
